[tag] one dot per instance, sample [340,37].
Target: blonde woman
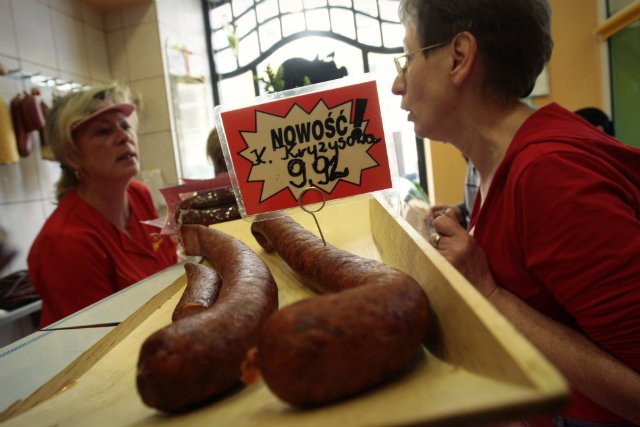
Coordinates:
[94,243]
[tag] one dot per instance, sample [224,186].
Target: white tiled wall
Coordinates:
[174,18]
[73,41]
[57,38]
[135,56]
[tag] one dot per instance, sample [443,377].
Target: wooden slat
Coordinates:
[620,20]
[66,378]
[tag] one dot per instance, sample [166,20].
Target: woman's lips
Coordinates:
[127,156]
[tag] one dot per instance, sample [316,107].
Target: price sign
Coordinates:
[331,139]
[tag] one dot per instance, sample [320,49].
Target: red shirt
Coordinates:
[79,257]
[561,229]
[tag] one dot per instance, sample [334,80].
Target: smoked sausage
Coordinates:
[200,356]
[369,322]
[208,207]
[203,287]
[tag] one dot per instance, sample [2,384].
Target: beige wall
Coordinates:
[575,81]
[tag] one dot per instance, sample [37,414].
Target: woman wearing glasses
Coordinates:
[554,237]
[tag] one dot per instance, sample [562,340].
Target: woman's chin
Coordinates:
[419,131]
[132,170]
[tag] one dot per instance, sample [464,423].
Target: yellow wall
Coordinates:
[446,172]
[575,68]
[575,81]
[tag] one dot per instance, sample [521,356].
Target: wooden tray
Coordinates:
[475,367]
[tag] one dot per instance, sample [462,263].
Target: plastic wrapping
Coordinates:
[175,196]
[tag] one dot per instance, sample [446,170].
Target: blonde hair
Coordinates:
[68,110]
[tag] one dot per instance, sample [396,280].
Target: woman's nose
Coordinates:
[123,135]
[398,86]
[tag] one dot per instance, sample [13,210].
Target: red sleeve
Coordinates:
[70,274]
[581,238]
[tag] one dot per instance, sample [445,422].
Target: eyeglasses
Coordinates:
[402,60]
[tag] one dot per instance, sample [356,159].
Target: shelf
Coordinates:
[20,312]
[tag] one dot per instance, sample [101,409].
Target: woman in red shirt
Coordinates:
[94,244]
[554,237]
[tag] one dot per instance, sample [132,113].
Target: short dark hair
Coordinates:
[598,118]
[214,151]
[514,36]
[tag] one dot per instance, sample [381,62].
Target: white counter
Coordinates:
[28,363]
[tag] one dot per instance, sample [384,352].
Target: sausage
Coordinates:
[207,216]
[25,145]
[203,287]
[213,198]
[208,207]
[368,323]
[198,357]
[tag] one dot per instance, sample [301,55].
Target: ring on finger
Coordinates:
[436,240]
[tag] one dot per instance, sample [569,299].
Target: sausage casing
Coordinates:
[213,198]
[365,328]
[207,216]
[203,287]
[198,357]
[208,207]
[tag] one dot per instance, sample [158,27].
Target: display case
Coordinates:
[473,368]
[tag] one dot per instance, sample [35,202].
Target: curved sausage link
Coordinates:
[208,207]
[207,216]
[203,287]
[213,198]
[200,356]
[363,331]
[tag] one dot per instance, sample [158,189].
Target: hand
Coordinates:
[462,251]
[448,210]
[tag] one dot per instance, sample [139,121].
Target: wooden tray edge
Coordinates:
[86,360]
[527,365]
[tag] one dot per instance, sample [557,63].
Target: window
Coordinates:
[361,35]
[624,51]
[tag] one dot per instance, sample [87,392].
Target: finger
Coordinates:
[439,211]
[433,213]
[447,226]
[450,213]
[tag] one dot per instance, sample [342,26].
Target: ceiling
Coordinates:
[106,5]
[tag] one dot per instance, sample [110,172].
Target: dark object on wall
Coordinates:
[32,115]
[28,115]
[299,72]
[17,290]
[7,252]
[598,118]
[22,136]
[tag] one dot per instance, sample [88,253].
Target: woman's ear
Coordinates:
[70,160]
[464,48]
